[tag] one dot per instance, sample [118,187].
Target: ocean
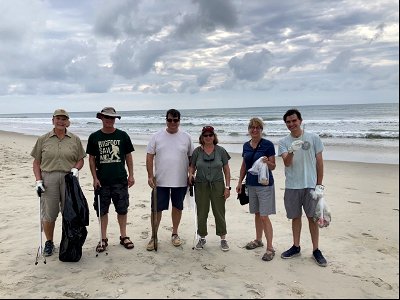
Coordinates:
[354,132]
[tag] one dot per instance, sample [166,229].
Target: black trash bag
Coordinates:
[243,196]
[75,218]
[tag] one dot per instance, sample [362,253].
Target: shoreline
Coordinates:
[361,244]
[346,153]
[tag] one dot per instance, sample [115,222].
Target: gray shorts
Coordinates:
[296,199]
[262,200]
[53,199]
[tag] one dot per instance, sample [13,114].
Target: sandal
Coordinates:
[269,255]
[176,240]
[254,244]
[127,245]
[101,247]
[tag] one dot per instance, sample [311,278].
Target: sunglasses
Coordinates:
[208,135]
[108,117]
[173,120]
[210,157]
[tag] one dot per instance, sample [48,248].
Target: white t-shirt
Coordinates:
[302,173]
[171,161]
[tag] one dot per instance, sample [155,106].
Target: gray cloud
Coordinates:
[195,46]
[252,66]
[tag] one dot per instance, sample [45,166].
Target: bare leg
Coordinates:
[48,228]
[259,226]
[176,219]
[122,220]
[296,230]
[104,224]
[314,231]
[157,221]
[268,231]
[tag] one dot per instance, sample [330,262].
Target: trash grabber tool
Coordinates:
[39,253]
[97,194]
[193,204]
[154,217]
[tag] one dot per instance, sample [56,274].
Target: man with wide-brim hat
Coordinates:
[110,151]
[108,112]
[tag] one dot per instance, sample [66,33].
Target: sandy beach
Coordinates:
[361,244]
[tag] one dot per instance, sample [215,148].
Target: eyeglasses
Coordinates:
[208,135]
[255,128]
[108,117]
[172,120]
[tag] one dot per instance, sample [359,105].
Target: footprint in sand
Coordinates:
[255,290]
[380,283]
[144,235]
[146,216]
[368,235]
[76,295]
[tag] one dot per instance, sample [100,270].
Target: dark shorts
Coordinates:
[119,195]
[177,195]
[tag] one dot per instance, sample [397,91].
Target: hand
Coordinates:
[39,187]
[296,145]
[75,172]
[319,190]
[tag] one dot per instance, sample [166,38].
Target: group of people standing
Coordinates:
[173,163]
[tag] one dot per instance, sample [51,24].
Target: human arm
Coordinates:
[227,174]
[129,164]
[320,168]
[38,176]
[150,173]
[36,169]
[79,165]
[270,161]
[288,156]
[92,166]
[192,171]
[242,174]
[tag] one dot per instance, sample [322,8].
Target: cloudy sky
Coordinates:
[156,54]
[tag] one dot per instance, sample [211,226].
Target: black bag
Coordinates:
[74,221]
[243,198]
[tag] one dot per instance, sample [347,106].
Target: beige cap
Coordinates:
[108,111]
[60,112]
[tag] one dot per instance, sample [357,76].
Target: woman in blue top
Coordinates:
[261,197]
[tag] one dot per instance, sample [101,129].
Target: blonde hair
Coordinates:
[256,122]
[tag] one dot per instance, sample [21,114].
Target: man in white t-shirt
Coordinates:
[304,169]
[167,164]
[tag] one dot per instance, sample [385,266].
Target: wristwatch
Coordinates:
[228,187]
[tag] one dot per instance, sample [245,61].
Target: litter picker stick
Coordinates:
[193,202]
[98,209]
[39,253]
[154,216]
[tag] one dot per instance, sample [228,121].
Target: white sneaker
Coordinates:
[201,243]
